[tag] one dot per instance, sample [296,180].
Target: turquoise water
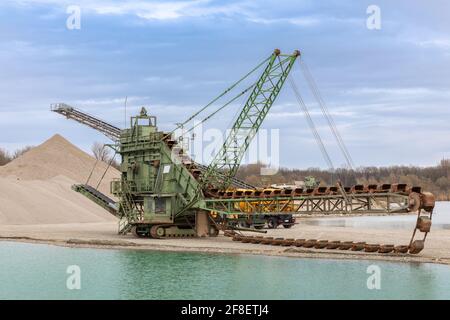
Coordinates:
[35,271]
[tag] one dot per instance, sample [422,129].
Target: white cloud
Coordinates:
[299,21]
[440,43]
[304,21]
[290,115]
[28,48]
[173,10]
[106,101]
[159,79]
[406,92]
[149,10]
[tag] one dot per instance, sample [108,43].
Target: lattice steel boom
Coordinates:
[247,124]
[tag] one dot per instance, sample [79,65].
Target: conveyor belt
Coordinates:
[98,197]
[69,112]
[200,168]
[327,200]
[363,199]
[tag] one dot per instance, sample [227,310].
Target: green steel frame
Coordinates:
[247,124]
[159,186]
[360,202]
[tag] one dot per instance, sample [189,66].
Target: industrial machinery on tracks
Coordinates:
[163,193]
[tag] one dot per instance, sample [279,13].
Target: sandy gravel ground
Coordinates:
[104,235]
[58,157]
[49,201]
[36,187]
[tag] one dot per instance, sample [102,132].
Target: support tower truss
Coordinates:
[264,93]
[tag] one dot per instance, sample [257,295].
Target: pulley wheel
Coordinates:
[157,232]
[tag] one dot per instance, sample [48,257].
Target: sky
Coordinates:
[388,88]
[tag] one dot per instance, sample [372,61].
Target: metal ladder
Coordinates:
[128,204]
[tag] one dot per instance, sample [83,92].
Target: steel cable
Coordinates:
[218,97]
[314,89]
[311,124]
[104,173]
[221,108]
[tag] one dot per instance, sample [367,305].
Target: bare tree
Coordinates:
[101,152]
[21,151]
[4,157]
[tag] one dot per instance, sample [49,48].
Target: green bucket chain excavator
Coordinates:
[163,193]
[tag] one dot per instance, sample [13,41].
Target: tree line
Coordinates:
[6,157]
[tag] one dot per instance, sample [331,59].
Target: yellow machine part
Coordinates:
[264,206]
